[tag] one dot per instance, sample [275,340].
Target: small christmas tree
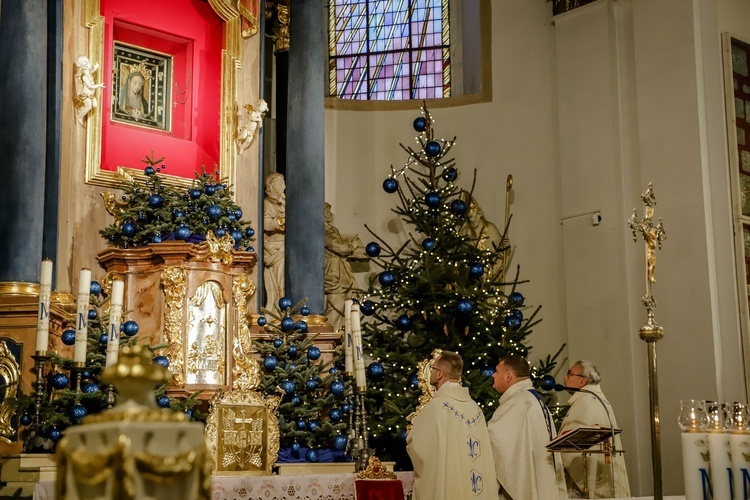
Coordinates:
[444,288]
[314,408]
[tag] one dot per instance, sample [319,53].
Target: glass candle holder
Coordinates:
[693,417]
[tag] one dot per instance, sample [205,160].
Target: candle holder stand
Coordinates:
[360,447]
[110,396]
[76,374]
[35,440]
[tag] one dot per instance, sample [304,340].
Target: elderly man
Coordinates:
[448,442]
[587,411]
[519,431]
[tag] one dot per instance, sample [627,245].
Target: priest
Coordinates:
[448,442]
[520,430]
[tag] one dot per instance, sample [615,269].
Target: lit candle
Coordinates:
[359,360]
[115,319]
[45,290]
[348,357]
[82,325]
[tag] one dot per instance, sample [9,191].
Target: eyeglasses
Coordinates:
[571,374]
[433,368]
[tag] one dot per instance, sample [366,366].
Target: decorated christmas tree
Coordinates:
[150,211]
[445,288]
[314,409]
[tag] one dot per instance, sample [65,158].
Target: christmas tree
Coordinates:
[151,211]
[314,409]
[445,288]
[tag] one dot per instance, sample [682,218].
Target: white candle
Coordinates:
[115,319]
[82,325]
[740,444]
[721,463]
[695,465]
[45,290]
[359,360]
[348,357]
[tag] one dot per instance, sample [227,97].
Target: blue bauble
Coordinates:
[403,322]
[458,207]
[278,342]
[220,232]
[292,350]
[288,386]
[386,278]
[287,323]
[25,419]
[128,229]
[214,211]
[346,407]
[296,400]
[149,170]
[514,323]
[488,371]
[313,353]
[77,412]
[60,381]
[429,243]
[311,455]
[304,311]
[161,360]
[301,425]
[432,148]
[179,214]
[312,425]
[103,338]
[333,370]
[236,235]
[195,193]
[420,124]
[163,401]
[95,288]
[516,313]
[295,446]
[375,370]
[68,337]
[285,303]
[367,307]
[414,382]
[130,328]
[189,413]
[548,383]
[90,388]
[55,434]
[210,189]
[238,213]
[335,414]
[92,314]
[390,185]
[85,375]
[450,174]
[404,434]
[155,201]
[339,442]
[476,270]
[432,199]
[262,320]
[464,306]
[231,217]
[311,384]
[249,232]
[301,326]
[156,239]
[337,387]
[270,363]
[372,249]
[183,232]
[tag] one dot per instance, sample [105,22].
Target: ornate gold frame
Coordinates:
[231,61]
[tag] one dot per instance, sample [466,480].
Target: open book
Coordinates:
[581,439]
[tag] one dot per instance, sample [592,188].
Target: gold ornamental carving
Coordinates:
[174,282]
[424,368]
[216,249]
[10,373]
[375,470]
[242,288]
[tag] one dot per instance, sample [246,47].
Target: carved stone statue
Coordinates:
[85,98]
[339,283]
[274,226]
[247,132]
[486,234]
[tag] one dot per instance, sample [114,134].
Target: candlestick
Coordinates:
[348,355]
[35,439]
[45,290]
[115,319]
[359,360]
[82,324]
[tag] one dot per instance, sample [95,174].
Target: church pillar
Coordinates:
[305,196]
[23,132]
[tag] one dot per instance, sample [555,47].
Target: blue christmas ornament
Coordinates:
[179,214]
[313,353]
[432,148]
[161,360]
[210,189]
[311,384]
[55,434]
[432,199]
[548,383]
[287,323]
[302,326]
[278,342]
[288,386]
[512,322]
[420,124]
[304,311]
[339,442]
[404,434]
[90,388]
[25,419]
[220,232]
[516,313]
[128,229]
[292,350]
[163,401]
[95,288]
[367,307]
[450,175]
[183,233]
[155,201]
[414,382]
[333,370]
[270,363]
[390,185]
[386,278]
[103,338]
[464,306]
[372,249]
[312,425]
[375,370]
[231,217]
[301,425]
[68,337]
[189,413]
[92,314]
[238,213]
[262,320]
[311,455]
[296,400]
[429,243]
[458,207]
[236,235]
[335,414]
[285,303]
[476,270]
[194,193]
[149,170]
[337,387]
[156,239]
[346,407]
[77,412]
[60,381]
[403,322]
[250,249]
[249,232]
[85,375]
[130,328]
[295,446]
[488,371]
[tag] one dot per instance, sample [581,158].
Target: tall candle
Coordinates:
[695,465]
[720,452]
[740,444]
[115,319]
[348,355]
[82,324]
[45,290]
[359,360]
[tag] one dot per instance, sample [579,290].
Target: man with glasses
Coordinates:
[587,411]
[448,442]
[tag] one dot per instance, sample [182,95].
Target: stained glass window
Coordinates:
[389,49]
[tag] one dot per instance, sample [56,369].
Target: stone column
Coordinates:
[305,196]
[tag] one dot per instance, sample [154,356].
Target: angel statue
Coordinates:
[246,133]
[85,98]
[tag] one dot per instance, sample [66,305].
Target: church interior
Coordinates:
[584,103]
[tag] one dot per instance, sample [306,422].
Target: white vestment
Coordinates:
[519,431]
[450,449]
[586,411]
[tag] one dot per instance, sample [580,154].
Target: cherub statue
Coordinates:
[246,133]
[85,99]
